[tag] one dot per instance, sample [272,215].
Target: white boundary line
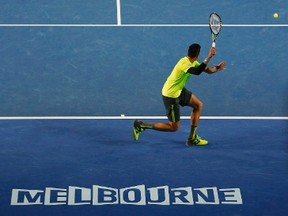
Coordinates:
[138,117]
[137,25]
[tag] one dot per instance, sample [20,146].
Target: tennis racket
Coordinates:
[215,25]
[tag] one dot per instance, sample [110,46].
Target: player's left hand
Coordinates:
[221,65]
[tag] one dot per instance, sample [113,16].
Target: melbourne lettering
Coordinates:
[136,195]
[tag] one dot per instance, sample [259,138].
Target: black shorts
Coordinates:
[172,104]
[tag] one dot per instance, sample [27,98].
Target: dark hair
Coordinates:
[194,50]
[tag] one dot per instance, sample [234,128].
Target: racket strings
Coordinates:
[215,23]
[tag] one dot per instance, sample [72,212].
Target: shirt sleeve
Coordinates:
[197,68]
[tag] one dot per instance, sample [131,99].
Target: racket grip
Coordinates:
[213,44]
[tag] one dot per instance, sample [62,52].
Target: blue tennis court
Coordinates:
[94,167]
[74,76]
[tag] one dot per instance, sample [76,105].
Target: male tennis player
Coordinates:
[175,93]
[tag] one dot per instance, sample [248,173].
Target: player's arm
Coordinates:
[203,66]
[197,70]
[215,68]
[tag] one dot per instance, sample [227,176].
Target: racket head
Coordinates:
[215,25]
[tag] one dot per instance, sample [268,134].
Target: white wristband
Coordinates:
[206,61]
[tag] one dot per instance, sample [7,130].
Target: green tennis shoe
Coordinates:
[137,129]
[198,141]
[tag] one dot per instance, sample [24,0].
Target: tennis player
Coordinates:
[174,94]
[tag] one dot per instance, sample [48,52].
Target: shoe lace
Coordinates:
[139,129]
[197,139]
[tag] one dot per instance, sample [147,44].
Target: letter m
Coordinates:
[27,197]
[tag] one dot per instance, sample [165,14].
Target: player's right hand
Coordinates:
[212,52]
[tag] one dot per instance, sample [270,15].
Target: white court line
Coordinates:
[118,6]
[136,25]
[138,117]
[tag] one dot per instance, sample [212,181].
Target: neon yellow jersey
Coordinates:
[178,78]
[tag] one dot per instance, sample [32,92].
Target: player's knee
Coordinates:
[175,126]
[199,106]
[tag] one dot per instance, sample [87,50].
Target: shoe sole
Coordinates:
[193,144]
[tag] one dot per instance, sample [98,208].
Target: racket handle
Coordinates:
[213,44]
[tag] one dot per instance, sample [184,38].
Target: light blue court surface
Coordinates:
[49,69]
[94,167]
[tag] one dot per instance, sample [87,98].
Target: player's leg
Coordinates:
[188,99]
[197,106]
[173,114]
[140,126]
[159,126]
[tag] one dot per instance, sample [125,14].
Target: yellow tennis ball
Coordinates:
[275,15]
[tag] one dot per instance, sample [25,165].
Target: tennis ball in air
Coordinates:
[275,15]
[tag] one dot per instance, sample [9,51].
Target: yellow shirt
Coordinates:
[178,78]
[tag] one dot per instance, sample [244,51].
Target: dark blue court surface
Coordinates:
[94,167]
